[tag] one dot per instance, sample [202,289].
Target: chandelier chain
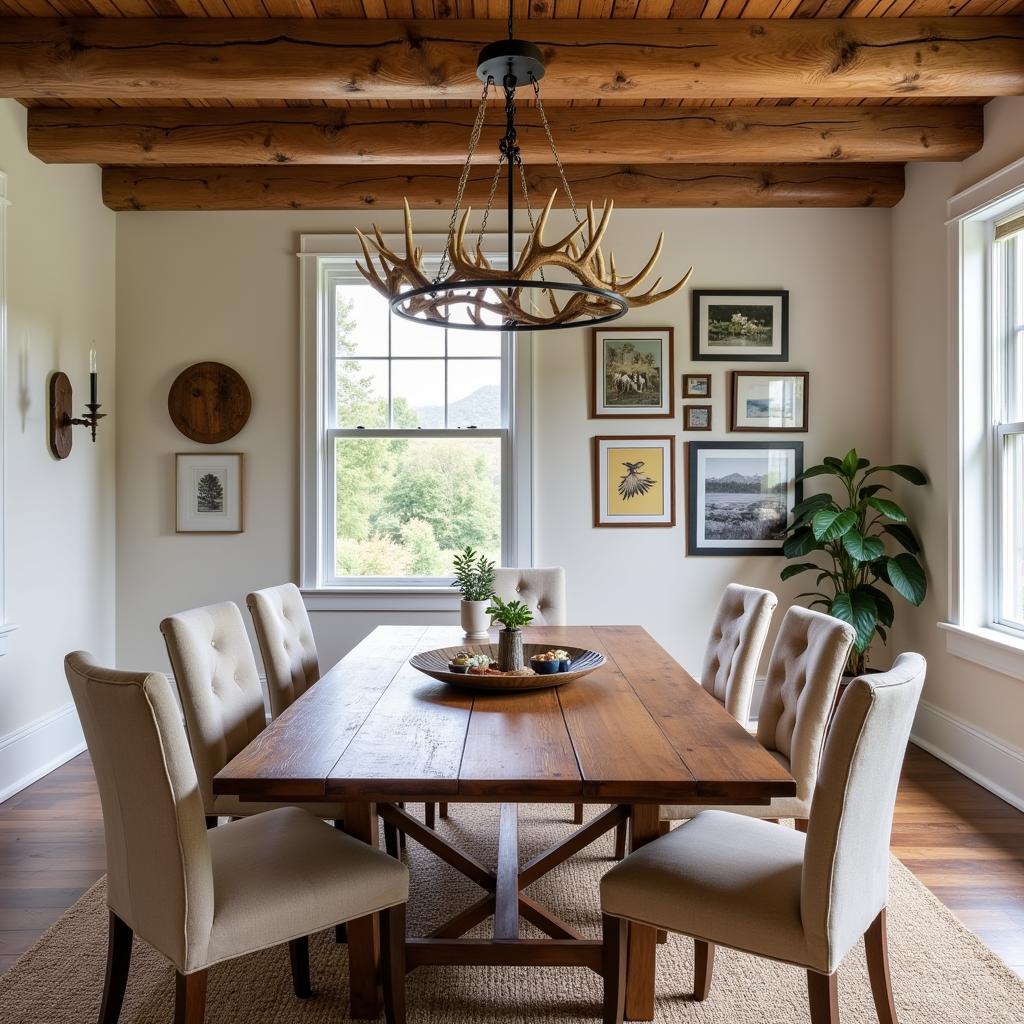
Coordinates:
[490,201]
[554,150]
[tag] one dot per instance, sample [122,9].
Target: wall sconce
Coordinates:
[61,420]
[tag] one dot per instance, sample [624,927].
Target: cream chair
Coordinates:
[729,880]
[286,643]
[800,690]
[201,897]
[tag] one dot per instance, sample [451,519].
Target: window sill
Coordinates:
[991,648]
[381,599]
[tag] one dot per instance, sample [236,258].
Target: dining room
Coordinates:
[511,512]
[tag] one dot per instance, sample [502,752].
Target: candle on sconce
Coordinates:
[92,377]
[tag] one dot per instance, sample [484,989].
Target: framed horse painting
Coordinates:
[632,373]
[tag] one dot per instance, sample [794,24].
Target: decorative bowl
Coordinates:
[436,665]
[545,668]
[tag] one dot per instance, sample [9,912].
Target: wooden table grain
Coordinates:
[374,732]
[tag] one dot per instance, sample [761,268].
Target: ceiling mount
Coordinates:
[510,59]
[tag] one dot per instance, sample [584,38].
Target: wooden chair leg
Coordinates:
[298,954]
[392,957]
[615,931]
[119,958]
[577,814]
[621,834]
[876,946]
[703,968]
[800,824]
[430,815]
[190,998]
[823,994]
[211,820]
[442,810]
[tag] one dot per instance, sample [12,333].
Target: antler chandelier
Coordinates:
[564,284]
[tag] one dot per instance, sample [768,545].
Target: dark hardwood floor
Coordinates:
[962,842]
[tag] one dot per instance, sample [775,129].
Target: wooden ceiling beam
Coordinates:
[595,135]
[243,58]
[375,188]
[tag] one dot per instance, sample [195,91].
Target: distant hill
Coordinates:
[478,409]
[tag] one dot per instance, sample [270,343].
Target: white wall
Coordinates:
[224,286]
[59,515]
[971,715]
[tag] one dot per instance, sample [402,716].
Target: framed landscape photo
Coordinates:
[632,372]
[696,417]
[208,492]
[737,324]
[696,385]
[739,495]
[763,400]
[634,481]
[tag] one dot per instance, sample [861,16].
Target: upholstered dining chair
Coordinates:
[800,689]
[730,880]
[201,897]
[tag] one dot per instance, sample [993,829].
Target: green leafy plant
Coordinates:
[474,575]
[852,532]
[511,614]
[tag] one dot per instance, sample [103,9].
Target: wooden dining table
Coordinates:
[375,733]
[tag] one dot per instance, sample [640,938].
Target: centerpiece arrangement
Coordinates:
[512,615]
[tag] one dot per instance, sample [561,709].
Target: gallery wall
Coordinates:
[225,287]
[59,516]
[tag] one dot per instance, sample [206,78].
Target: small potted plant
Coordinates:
[474,576]
[513,615]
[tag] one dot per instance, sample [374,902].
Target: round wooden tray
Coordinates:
[435,664]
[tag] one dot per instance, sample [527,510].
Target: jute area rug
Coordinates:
[942,973]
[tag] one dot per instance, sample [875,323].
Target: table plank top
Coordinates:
[638,730]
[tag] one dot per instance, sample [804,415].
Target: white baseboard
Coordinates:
[988,760]
[36,749]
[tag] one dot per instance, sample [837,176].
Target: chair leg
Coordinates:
[621,834]
[823,994]
[119,958]
[615,932]
[800,824]
[340,931]
[577,814]
[430,815]
[391,842]
[392,957]
[298,954]
[703,968]
[190,998]
[442,810]
[876,946]
[211,820]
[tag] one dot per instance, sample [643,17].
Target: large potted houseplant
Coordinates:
[855,533]
[512,615]
[474,576]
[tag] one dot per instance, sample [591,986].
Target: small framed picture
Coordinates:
[763,400]
[209,492]
[696,385]
[696,417]
[632,372]
[736,324]
[740,495]
[634,481]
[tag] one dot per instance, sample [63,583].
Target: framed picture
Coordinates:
[732,324]
[763,400]
[696,385]
[696,417]
[633,372]
[739,495]
[634,481]
[209,492]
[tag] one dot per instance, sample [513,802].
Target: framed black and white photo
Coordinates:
[632,373]
[740,495]
[696,417]
[763,400]
[209,492]
[736,324]
[696,385]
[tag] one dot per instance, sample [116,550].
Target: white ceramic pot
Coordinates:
[475,620]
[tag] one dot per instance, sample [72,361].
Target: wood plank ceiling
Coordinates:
[746,143]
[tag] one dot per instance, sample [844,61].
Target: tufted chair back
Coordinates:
[159,874]
[219,686]
[734,648]
[845,881]
[541,590]
[286,643]
[806,665]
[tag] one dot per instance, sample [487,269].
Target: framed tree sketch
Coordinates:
[740,495]
[632,372]
[763,400]
[209,492]
[634,481]
[737,324]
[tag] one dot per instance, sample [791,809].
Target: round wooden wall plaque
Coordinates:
[209,403]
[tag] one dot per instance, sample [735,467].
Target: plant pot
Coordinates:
[510,650]
[475,620]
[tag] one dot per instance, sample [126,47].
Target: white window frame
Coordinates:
[323,258]
[974,629]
